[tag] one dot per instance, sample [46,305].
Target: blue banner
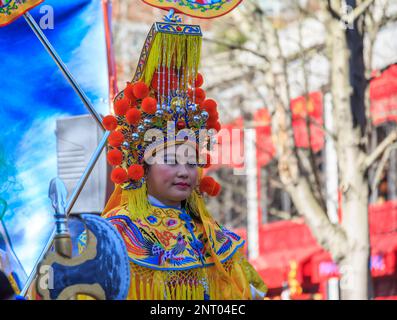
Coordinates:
[33,94]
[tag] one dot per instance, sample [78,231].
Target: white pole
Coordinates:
[331,164]
[331,172]
[252,192]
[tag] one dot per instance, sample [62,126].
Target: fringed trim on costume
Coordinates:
[146,287]
[137,202]
[197,204]
[175,47]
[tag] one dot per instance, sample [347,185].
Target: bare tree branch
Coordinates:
[358,11]
[233,46]
[381,166]
[370,159]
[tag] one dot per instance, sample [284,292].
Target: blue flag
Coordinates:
[33,95]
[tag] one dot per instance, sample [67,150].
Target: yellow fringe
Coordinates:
[134,297]
[199,292]
[148,293]
[168,291]
[194,292]
[196,202]
[137,202]
[141,292]
[182,50]
[155,291]
[162,290]
[153,59]
[177,292]
[189,292]
[182,295]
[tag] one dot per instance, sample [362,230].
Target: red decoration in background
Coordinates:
[225,150]
[310,107]
[265,149]
[383,96]
[229,149]
[285,241]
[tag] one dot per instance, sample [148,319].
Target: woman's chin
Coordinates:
[180,195]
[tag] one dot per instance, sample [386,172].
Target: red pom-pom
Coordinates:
[209,105]
[129,93]
[136,172]
[133,116]
[214,116]
[209,186]
[217,126]
[198,93]
[216,190]
[116,138]
[198,82]
[140,90]
[205,183]
[121,107]
[114,157]
[109,122]
[119,175]
[149,105]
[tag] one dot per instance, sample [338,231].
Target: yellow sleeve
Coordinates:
[253,277]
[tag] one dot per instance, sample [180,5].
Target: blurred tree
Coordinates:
[274,55]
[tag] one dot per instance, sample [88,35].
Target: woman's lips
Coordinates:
[182,185]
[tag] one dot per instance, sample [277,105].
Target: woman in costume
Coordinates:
[158,151]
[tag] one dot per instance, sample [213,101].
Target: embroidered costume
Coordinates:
[175,253]
[172,257]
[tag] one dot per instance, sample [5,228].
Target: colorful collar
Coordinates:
[169,239]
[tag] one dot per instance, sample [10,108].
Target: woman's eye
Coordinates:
[192,163]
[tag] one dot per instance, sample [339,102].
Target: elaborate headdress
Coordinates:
[163,105]
[166,89]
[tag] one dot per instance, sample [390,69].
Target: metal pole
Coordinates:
[331,172]
[43,39]
[69,206]
[252,193]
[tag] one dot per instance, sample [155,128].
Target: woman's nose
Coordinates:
[182,171]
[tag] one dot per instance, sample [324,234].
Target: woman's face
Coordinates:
[172,176]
